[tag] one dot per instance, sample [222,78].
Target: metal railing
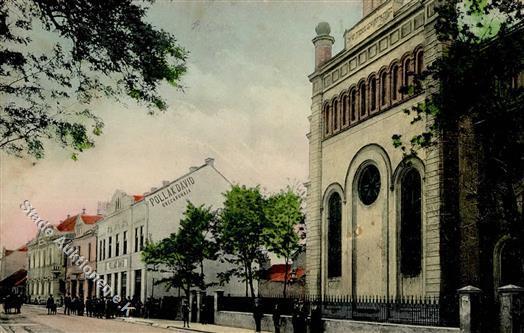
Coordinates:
[401,310]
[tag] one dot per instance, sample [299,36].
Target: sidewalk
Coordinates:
[178,325]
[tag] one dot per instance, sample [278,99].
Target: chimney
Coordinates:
[323,44]
[83,211]
[210,161]
[165,183]
[193,168]
[153,189]
[68,215]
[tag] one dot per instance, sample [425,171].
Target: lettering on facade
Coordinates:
[172,193]
[375,22]
[115,264]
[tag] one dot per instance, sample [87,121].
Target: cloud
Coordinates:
[246,104]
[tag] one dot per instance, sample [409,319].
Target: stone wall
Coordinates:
[245,320]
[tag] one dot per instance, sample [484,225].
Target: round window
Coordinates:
[369,185]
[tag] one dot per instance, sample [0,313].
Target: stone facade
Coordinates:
[356,108]
[77,285]
[46,269]
[131,221]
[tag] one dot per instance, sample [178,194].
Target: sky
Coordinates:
[245,104]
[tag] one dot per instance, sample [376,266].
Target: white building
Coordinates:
[132,219]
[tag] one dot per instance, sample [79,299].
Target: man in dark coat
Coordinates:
[277,320]
[50,304]
[67,305]
[258,315]
[185,314]
[316,324]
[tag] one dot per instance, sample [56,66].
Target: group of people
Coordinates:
[100,307]
[300,318]
[12,302]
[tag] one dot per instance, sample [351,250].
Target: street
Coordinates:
[36,320]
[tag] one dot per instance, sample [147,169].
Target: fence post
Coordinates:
[218,295]
[469,297]
[200,299]
[511,298]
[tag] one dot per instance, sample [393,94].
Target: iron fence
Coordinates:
[400,310]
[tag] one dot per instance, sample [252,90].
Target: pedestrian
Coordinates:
[67,304]
[147,307]
[257,315]
[277,320]
[80,306]
[49,304]
[185,314]
[295,318]
[316,324]
[203,313]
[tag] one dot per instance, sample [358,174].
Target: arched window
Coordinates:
[335,115]
[326,119]
[353,107]
[345,107]
[411,224]
[373,94]
[383,88]
[407,79]
[394,82]
[363,97]
[420,62]
[334,236]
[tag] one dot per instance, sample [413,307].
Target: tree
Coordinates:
[284,213]
[183,253]
[239,233]
[98,49]
[474,103]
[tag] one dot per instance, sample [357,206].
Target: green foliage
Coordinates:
[284,213]
[483,48]
[250,224]
[183,253]
[239,232]
[99,49]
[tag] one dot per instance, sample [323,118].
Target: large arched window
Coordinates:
[334,236]
[411,224]
[363,98]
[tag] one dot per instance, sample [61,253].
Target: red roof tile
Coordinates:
[276,273]
[22,248]
[91,219]
[67,224]
[138,197]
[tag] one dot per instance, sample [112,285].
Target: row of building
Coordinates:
[111,241]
